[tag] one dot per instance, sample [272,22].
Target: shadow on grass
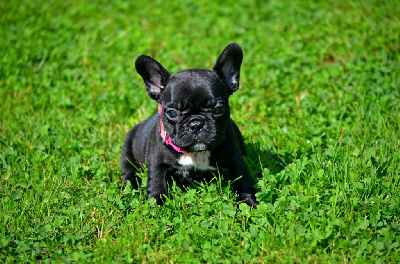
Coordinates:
[266,166]
[259,159]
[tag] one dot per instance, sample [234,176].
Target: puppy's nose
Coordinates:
[196,125]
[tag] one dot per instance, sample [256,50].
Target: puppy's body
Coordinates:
[192,135]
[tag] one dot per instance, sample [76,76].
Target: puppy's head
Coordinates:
[194,103]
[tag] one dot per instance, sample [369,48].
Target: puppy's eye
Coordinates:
[218,110]
[172,114]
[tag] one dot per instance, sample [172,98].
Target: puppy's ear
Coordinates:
[228,66]
[154,75]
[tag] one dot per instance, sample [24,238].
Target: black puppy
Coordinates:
[192,134]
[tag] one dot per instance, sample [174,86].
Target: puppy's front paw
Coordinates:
[249,199]
[158,197]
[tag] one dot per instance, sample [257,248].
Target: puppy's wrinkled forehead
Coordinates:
[194,87]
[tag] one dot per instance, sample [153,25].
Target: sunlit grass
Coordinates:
[318,107]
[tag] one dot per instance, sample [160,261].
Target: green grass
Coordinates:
[318,106]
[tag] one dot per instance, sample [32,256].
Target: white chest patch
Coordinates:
[198,160]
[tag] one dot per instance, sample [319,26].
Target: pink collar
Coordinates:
[163,133]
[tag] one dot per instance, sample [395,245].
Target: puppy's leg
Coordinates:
[243,185]
[129,171]
[129,165]
[157,184]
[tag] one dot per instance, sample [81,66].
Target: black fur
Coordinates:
[196,116]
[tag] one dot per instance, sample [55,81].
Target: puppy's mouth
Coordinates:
[197,147]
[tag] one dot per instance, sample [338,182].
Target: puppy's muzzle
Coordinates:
[196,125]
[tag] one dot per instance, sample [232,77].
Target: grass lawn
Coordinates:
[319,108]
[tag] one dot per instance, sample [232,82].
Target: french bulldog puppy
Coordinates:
[192,135]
